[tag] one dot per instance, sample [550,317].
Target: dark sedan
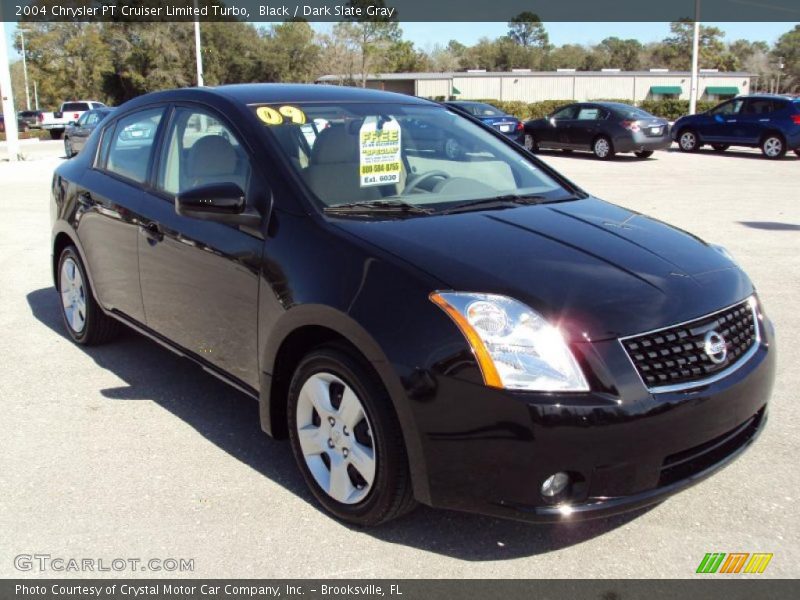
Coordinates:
[476,333]
[506,124]
[78,132]
[766,121]
[22,126]
[604,128]
[30,118]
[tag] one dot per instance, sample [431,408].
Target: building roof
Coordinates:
[451,74]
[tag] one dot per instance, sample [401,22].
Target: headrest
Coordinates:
[212,155]
[335,145]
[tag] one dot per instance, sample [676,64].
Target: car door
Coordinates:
[554,132]
[200,278]
[723,124]
[110,198]
[756,117]
[583,129]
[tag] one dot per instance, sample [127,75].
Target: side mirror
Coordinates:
[221,202]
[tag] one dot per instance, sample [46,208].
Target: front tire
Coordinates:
[68,151]
[346,438]
[603,148]
[644,154]
[84,320]
[688,142]
[773,146]
[530,143]
[452,149]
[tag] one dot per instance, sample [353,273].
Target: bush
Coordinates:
[30,134]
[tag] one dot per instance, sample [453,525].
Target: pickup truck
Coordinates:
[56,122]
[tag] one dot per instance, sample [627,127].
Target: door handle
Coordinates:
[731,120]
[152,232]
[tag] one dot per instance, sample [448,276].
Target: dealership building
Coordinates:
[565,84]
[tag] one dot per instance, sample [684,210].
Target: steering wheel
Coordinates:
[415,181]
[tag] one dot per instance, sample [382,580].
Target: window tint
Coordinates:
[75,106]
[201,150]
[759,106]
[91,118]
[729,108]
[84,118]
[568,112]
[132,144]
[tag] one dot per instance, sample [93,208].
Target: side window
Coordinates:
[201,150]
[91,118]
[132,144]
[84,119]
[729,108]
[568,112]
[589,113]
[758,106]
[105,142]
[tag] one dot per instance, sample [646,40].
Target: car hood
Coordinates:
[598,270]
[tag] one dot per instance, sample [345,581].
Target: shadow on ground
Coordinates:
[770,225]
[229,419]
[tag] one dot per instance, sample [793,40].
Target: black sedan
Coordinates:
[492,116]
[22,126]
[604,128]
[475,333]
[78,132]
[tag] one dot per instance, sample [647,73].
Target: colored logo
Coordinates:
[715,347]
[735,562]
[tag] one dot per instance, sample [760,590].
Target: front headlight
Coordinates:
[516,348]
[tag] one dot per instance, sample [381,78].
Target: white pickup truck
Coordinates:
[70,112]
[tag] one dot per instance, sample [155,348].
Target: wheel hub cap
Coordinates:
[335,438]
[73,295]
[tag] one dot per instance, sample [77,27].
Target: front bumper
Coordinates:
[488,451]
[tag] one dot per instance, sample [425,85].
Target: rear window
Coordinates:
[631,112]
[75,106]
[483,110]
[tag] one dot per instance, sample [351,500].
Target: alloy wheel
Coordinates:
[335,438]
[688,141]
[773,147]
[529,143]
[73,295]
[452,149]
[602,147]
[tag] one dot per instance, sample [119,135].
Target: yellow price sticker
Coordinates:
[270,116]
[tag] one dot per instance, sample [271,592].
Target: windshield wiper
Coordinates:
[504,201]
[378,206]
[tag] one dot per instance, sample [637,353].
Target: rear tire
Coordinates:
[84,320]
[56,134]
[603,148]
[530,143]
[773,146]
[720,147]
[452,149]
[644,154]
[346,438]
[688,141]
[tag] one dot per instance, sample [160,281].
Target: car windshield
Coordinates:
[400,154]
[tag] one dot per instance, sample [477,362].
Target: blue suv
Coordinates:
[770,122]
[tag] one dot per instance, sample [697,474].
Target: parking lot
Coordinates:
[127,451]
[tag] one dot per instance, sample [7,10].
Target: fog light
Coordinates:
[555,484]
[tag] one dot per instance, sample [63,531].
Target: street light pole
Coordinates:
[695,52]
[197,48]
[25,70]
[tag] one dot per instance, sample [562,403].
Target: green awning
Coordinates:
[722,90]
[456,90]
[665,89]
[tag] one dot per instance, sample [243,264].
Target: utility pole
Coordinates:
[12,136]
[198,48]
[35,96]
[21,33]
[780,69]
[695,52]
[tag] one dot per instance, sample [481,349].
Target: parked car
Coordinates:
[767,121]
[475,333]
[30,118]
[69,113]
[604,128]
[506,124]
[75,136]
[21,125]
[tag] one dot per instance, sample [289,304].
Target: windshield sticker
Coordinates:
[379,153]
[270,116]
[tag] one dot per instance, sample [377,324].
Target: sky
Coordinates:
[425,35]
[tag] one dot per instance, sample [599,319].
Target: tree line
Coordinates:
[114,62]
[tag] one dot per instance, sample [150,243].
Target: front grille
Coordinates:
[677,355]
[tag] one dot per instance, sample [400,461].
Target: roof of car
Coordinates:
[257,93]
